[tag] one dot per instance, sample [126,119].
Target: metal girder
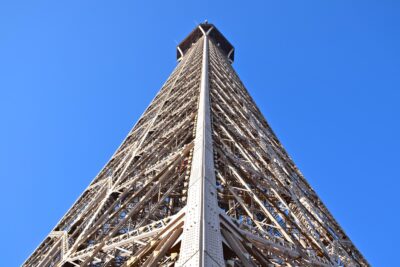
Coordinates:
[201,240]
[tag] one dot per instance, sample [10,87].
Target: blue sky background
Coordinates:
[76,75]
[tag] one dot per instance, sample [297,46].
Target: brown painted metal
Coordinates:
[202,126]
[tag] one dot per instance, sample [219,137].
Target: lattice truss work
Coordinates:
[200,180]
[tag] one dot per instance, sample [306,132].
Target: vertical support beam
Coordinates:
[201,239]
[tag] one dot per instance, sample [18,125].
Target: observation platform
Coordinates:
[214,34]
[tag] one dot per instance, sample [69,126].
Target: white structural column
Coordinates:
[201,239]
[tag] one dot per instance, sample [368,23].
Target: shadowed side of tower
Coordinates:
[200,180]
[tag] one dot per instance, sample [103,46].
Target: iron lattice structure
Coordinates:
[200,180]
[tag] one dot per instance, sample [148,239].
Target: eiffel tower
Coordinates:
[200,180]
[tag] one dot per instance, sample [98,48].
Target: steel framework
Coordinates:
[200,180]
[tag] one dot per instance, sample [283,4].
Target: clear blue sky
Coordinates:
[76,75]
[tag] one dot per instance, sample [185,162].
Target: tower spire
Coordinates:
[200,180]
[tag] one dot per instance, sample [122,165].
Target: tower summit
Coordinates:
[200,180]
[213,33]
